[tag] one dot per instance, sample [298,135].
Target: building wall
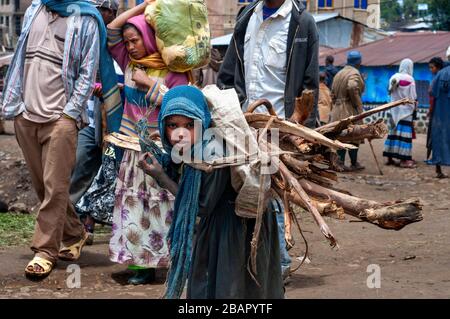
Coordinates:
[369,16]
[11,18]
[377,83]
[420,123]
[222,15]
[343,33]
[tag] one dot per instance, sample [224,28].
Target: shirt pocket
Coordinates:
[60,43]
[276,56]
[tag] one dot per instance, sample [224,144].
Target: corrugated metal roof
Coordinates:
[320,17]
[421,25]
[223,40]
[419,47]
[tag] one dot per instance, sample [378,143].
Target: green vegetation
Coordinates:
[438,13]
[16,229]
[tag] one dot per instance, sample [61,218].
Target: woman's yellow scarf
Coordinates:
[155,66]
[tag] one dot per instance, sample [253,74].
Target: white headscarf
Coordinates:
[406,66]
[398,91]
[448,53]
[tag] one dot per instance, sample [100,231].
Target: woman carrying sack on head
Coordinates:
[143,210]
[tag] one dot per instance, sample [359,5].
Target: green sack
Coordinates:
[182,32]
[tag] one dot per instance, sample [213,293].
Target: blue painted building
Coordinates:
[377,83]
[381,59]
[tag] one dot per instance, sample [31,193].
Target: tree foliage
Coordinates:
[438,11]
[391,11]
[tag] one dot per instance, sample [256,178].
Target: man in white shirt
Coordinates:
[273,55]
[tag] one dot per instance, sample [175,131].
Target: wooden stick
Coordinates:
[307,201]
[370,131]
[388,216]
[304,105]
[252,107]
[260,121]
[375,157]
[337,126]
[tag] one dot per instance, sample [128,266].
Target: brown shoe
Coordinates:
[357,167]
[408,164]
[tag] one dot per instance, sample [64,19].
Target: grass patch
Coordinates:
[16,229]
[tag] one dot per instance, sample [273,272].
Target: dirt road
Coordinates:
[413,262]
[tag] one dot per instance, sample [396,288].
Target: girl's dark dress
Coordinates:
[222,247]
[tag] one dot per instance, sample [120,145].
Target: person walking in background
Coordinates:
[325,99]
[143,210]
[330,70]
[263,62]
[440,121]
[347,89]
[208,74]
[398,144]
[447,54]
[89,148]
[2,125]
[436,64]
[46,91]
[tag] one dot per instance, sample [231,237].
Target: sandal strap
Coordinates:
[75,249]
[45,264]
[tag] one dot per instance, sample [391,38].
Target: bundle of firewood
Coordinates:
[306,163]
[307,169]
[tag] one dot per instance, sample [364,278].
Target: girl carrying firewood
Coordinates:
[216,261]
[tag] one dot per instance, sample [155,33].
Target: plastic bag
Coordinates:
[246,179]
[182,32]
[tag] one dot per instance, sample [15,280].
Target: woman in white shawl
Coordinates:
[398,145]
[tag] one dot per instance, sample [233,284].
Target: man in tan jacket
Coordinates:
[347,89]
[325,100]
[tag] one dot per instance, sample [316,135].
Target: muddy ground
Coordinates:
[413,262]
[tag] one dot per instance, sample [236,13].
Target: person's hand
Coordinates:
[154,169]
[98,90]
[141,79]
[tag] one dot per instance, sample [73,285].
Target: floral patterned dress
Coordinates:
[142,217]
[143,210]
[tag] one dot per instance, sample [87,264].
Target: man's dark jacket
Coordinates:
[302,59]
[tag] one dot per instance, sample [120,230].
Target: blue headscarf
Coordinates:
[108,77]
[354,58]
[190,102]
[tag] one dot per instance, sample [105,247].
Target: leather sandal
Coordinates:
[73,252]
[46,265]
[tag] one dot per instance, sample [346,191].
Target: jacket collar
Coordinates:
[244,17]
[283,11]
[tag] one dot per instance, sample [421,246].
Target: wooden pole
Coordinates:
[375,157]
